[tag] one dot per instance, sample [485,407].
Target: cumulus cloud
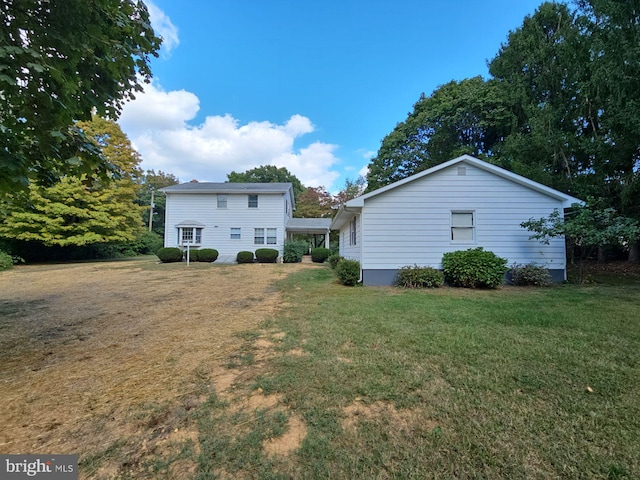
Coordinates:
[158,125]
[163,27]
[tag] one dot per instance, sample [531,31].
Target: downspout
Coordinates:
[361,248]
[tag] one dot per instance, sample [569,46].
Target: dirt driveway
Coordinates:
[92,353]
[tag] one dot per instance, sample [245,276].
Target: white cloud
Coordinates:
[163,27]
[157,123]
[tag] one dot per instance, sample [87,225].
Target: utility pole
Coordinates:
[151,210]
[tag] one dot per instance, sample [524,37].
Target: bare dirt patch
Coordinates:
[99,353]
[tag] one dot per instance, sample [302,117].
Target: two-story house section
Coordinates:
[230,217]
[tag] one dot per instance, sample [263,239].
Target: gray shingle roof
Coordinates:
[228,187]
[308,224]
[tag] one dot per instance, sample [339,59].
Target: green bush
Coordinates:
[169,254]
[6,262]
[244,257]
[294,251]
[530,275]
[334,259]
[348,272]
[419,277]
[207,255]
[320,254]
[474,268]
[267,255]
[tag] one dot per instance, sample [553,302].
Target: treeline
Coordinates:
[561,106]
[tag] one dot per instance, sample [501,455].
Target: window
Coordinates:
[190,235]
[222,200]
[462,226]
[272,236]
[253,201]
[258,236]
[235,233]
[353,236]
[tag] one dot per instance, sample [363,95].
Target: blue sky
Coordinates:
[313,86]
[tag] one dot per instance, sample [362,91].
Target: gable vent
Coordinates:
[462,171]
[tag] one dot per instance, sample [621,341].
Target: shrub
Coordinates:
[530,275]
[244,257]
[474,268]
[193,254]
[207,255]
[267,255]
[6,262]
[169,254]
[320,254]
[294,251]
[419,277]
[334,259]
[348,272]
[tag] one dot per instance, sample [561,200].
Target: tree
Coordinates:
[152,181]
[79,211]
[466,117]
[61,60]
[351,189]
[314,202]
[586,228]
[268,174]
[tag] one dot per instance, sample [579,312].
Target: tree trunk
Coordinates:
[602,255]
[634,253]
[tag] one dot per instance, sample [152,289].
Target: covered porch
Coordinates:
[318,228]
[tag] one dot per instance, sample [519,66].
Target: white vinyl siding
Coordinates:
[347,249]
[202,207]
[412,224]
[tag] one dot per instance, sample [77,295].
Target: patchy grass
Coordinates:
[310,379]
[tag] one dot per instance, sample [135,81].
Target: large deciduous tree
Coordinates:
[61,60]
[457,118]
[79,211]
[268,174]
[151,181]
[314,202]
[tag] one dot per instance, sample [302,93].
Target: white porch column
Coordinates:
[326,239]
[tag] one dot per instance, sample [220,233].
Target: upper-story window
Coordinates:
[222,200]
[253,201]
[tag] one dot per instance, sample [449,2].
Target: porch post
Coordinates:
[326,239]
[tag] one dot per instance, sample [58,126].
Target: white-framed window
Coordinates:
[222,200]
[236,233]
[253,201]
[258,236]
[190,235]
[463,226]
[353,233]
[265,236]
[272,236]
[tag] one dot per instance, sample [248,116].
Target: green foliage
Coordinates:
[81,211]
[61,61]
[244,257]
[530,275]
[207,255]
[334,259]
[294,251]
[169,254]
[150,182]
[419,277]
[6,261]
[267,255]
[320,254]
[268,174]
[348,272]
[474,268]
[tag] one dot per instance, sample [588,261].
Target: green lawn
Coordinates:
[448,383]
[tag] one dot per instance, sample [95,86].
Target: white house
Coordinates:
[234,217]
[460,204]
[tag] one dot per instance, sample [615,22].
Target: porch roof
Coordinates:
[309,225]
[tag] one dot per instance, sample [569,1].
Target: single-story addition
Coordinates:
[234,217]
[460,204]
